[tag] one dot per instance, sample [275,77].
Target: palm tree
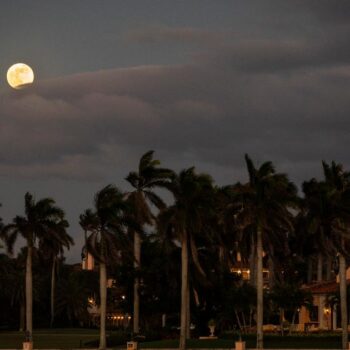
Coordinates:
[51,246]
[148,177]
[193,195]
[265,202]
[40,220]
[107,238]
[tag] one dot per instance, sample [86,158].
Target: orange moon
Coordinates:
[19,75]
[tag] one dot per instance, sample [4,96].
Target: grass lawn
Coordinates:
[270,342]
[75,338]
[55,338]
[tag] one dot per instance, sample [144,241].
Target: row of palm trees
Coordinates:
[258,214]
[253,218]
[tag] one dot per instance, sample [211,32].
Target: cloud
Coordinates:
[333,12]
[180,35]
[284,100]
[273,55]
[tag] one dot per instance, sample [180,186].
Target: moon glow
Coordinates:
[19,75]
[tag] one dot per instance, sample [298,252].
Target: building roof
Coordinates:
[324,287]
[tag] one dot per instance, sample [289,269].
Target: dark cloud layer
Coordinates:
[273,100]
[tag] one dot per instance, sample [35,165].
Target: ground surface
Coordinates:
[56,338]
[270,342]
[76,338]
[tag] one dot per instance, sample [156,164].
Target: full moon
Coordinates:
[19,75]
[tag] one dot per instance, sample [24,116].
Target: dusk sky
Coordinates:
[200,82]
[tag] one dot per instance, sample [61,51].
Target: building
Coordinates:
[325,314]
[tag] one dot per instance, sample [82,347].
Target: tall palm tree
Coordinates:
[193,194]
[51,246]
[39,221]
[107,238]
[265,202]
[148,177]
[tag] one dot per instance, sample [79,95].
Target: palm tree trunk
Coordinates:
[53,283]
[259,286]
[29,290]
[137,260]
[103,305]
[343,302]
[184,283]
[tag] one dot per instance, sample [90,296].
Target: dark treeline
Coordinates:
[176,259]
